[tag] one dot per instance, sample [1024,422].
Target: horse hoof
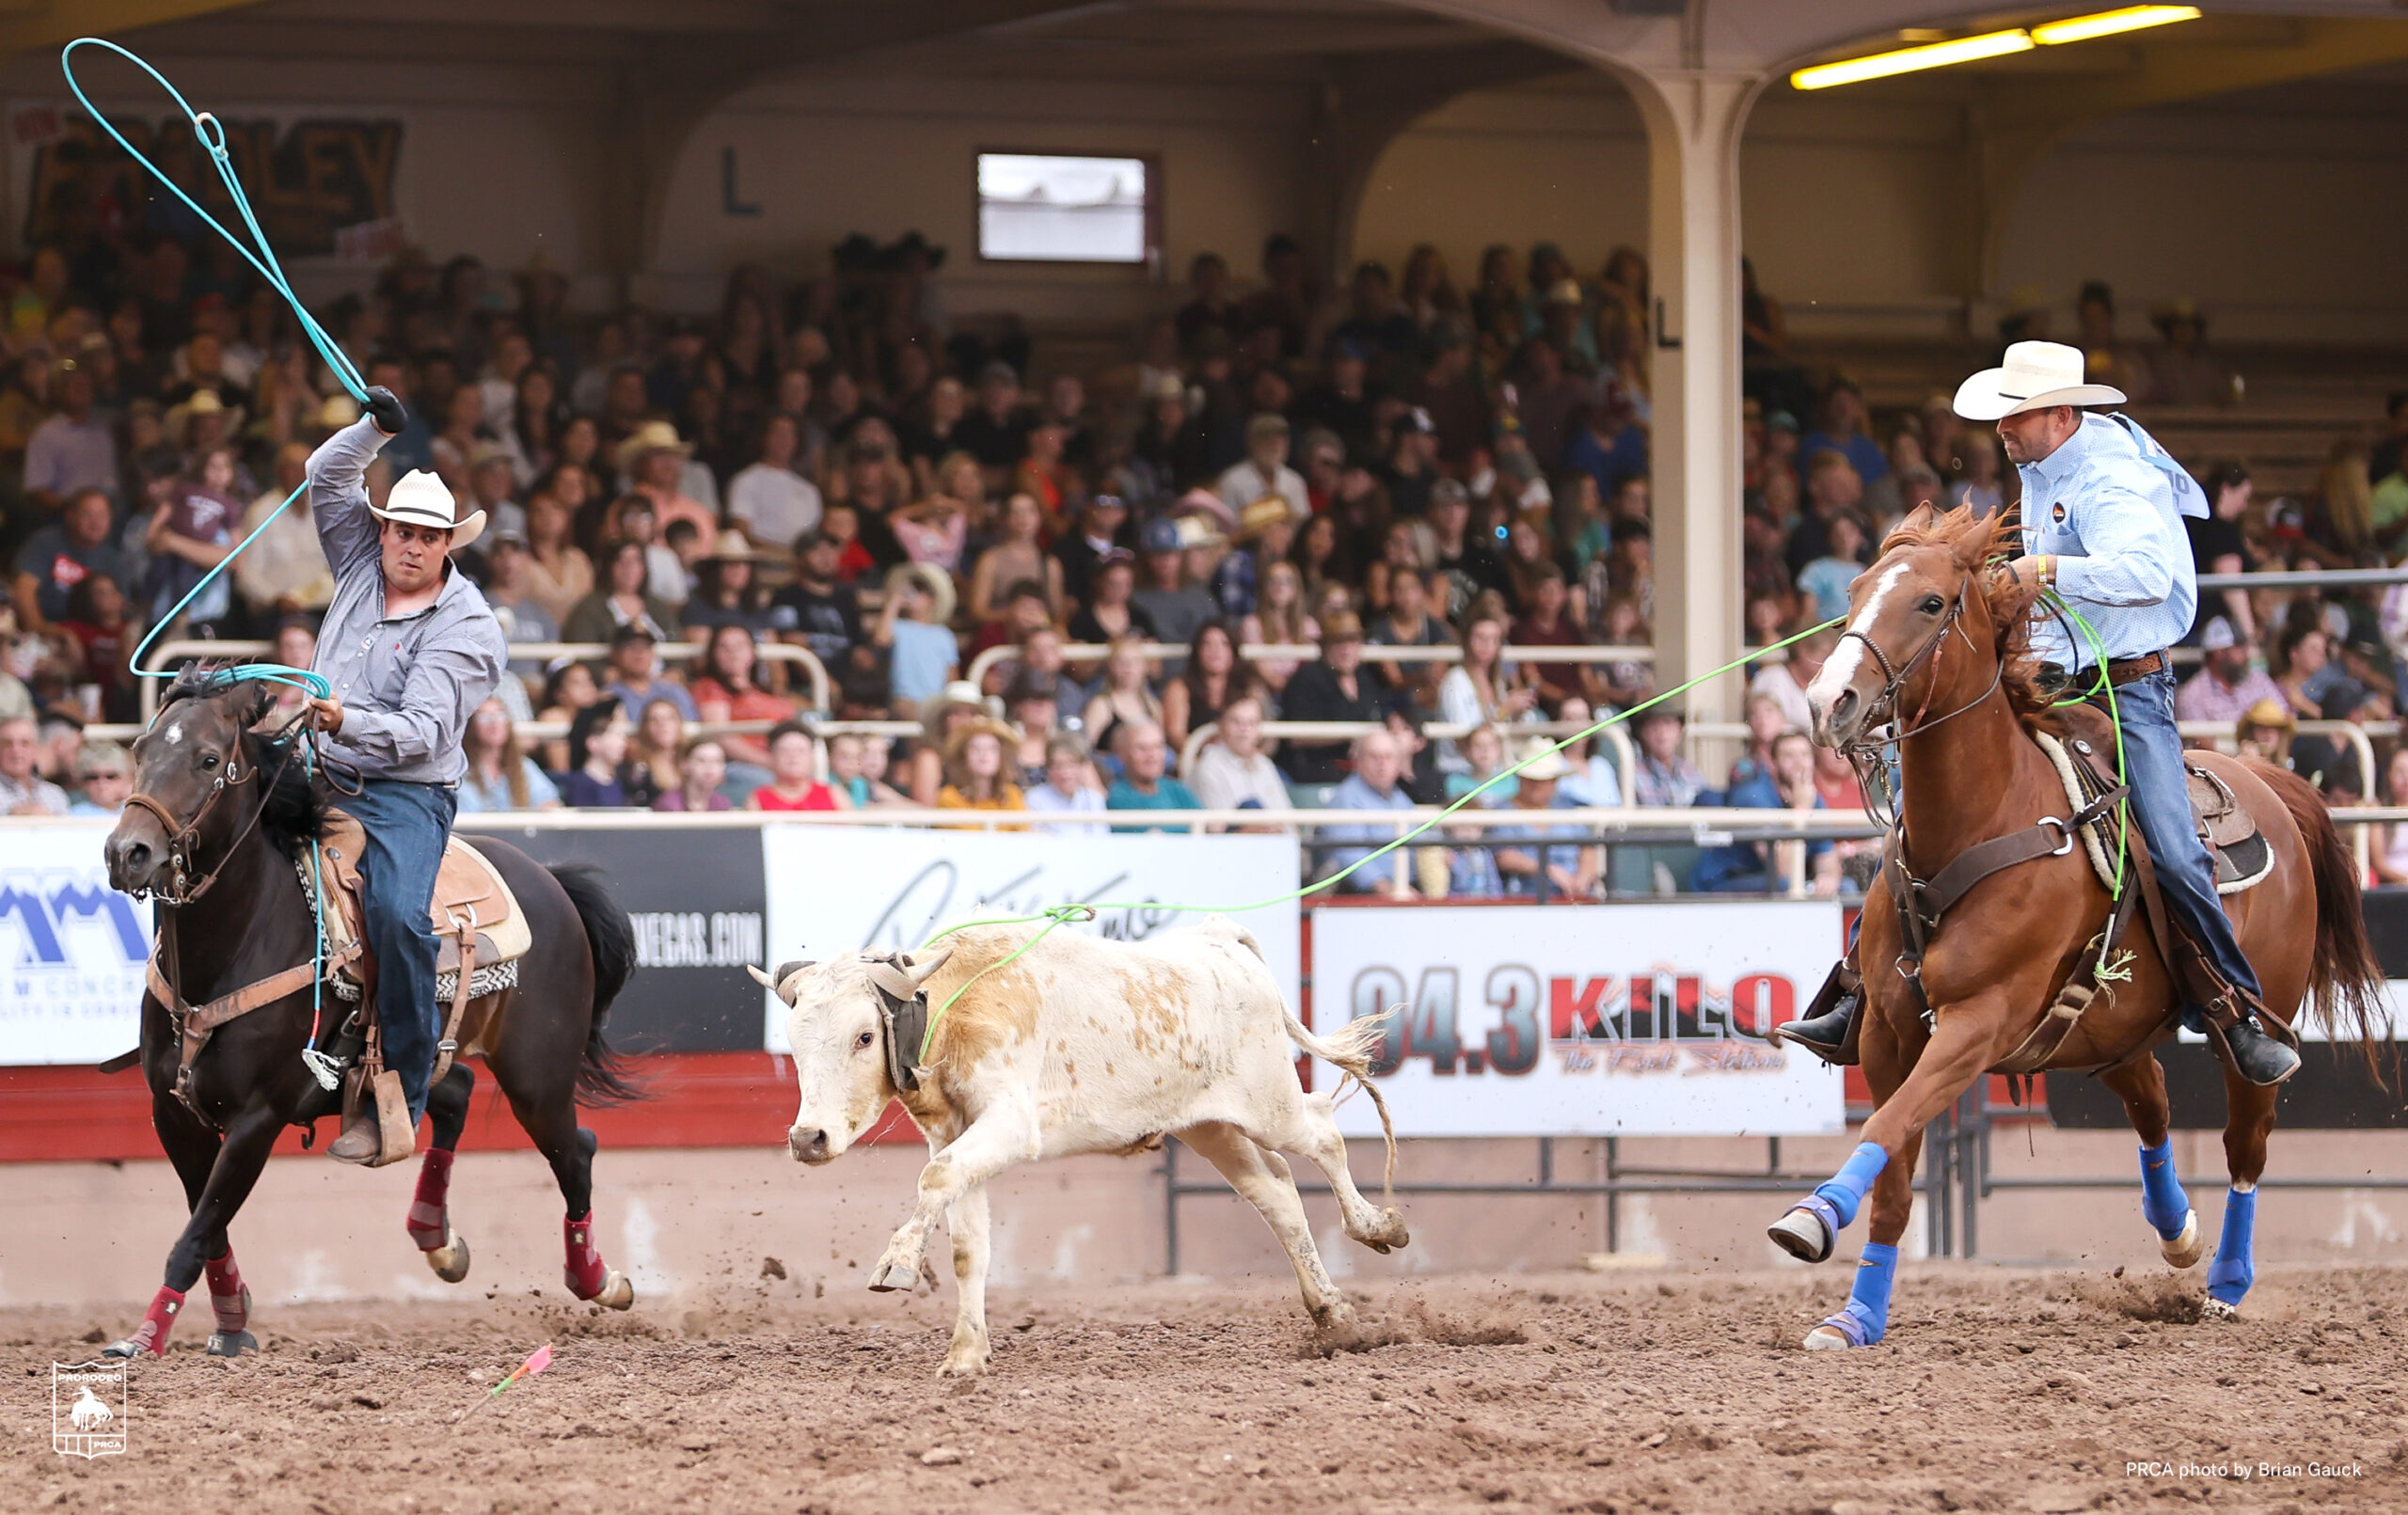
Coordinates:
[232,1343]
[450,1260]
[1826,1339]
[2187,1249]
[119,1350]
[894,1278]
[2215,1309]
[617,1293]
[1802,1234]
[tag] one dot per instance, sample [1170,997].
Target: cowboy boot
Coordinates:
[1824,1031]
[362,1139]
[2259,1058]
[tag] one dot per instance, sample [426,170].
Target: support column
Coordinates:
[1694,119]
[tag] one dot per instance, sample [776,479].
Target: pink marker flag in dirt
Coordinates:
[540,1360]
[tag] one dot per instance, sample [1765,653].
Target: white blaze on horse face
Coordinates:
[1839,669]
[175,732]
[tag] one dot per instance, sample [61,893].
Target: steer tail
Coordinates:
[602,1075]
[2345,985]
[1350,1051]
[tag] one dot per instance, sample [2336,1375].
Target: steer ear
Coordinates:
[920,972]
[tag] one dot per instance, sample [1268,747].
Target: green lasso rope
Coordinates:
[1061,914]
[2114,715]
[211,132]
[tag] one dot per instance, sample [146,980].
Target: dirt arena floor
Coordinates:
[1998,1389]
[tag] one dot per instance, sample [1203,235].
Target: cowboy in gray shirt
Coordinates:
[410,649]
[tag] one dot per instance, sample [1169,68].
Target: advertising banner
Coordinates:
[696,903]
[836,889]
[1584,1020]
[71,948]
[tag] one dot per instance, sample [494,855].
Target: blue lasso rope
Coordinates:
[211,132]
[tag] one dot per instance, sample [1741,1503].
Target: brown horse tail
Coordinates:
[2345,986]
[603,1077]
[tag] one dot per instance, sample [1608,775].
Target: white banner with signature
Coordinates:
[71,948]
[1584,1020]
[839,889]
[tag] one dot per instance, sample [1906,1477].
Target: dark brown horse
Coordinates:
[244,810]
[1938,642]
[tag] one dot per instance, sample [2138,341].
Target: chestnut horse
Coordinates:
[1938,643]
[222,815]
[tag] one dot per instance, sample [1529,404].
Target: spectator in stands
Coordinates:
[653,458]
[2391,849]
[660,735]
[1765,721]
[726,690]
[1264,469]
[569,689]
[1482,688]
[2265,732]
[1592,782]
[1825,581]
[996,432]
[2104,360]
[2227,682]
[936,528]
[506,591]
[1015,558]
[620,601]
[856,764]
[1211,677]
[1466,564]
[500,775]
[1071,787]
[1030,705]
[1666,777]
[1232,772]
[1786,682]
[701,769]
[1409,624]
[2340,520]
[2218,543]
[71,450]
[1607,444]
[1757,867]
[1378,765]
[1334,688]
[821,612]
[1548,622]
[1557,864]
[914,624]
[636,679]
[1124,695]
[794,783]
[1450,391]
[23,790]
[727,590]
[1144,783]
[1209,304]
[2304,655]
[1833,487]
[559,574]
[770,501]
[1980,488]
[600,776]
[1482,751]
[104,779]
[975,756]
[1111,612]
[1842,431]
[1104,522]
[1411,466]
[283,570]
[191,533]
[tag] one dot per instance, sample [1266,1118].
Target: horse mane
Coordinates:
[293,810]
[1980,544]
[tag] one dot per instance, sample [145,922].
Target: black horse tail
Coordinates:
[2345,982]
[603,1077]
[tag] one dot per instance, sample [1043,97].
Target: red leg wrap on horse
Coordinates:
[227,1298]
[151,1336]
[586,1273]
[428,1226]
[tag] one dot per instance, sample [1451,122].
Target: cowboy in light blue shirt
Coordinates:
[2102,526]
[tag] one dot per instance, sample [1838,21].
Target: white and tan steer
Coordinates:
[1080,1045]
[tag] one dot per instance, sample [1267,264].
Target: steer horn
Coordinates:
[782,981]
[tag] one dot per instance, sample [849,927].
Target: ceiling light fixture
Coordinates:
[1988,45]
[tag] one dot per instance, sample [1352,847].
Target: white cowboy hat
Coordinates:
[2035,376]
[420,498]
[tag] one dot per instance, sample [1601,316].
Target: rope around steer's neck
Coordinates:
[1061,914]
[211,132]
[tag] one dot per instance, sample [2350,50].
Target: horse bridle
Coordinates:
[1883,725]
[181,889]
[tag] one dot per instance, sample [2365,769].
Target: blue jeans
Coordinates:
[2161,804]
[407,825]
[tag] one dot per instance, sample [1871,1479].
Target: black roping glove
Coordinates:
[384,409]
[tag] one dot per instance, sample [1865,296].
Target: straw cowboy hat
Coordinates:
[934,580]
[734,546]
[203,402]
[652,436]
[2035,376]
[1543,763]
[419,499]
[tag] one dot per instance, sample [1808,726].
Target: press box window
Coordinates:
[1043,208]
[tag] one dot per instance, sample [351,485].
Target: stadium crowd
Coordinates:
[833,462]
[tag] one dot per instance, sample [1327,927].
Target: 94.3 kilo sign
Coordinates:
[1604,1021]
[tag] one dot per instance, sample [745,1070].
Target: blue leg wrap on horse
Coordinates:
[2163,1203]
[2232,1273]
[1846,1190]
[1865,1319]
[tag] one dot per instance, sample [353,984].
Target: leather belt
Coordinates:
[2119,672]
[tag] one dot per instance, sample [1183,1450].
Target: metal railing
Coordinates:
[167,653]
[1304,652]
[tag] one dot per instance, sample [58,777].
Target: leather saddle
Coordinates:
[473,914]
[2241,852]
